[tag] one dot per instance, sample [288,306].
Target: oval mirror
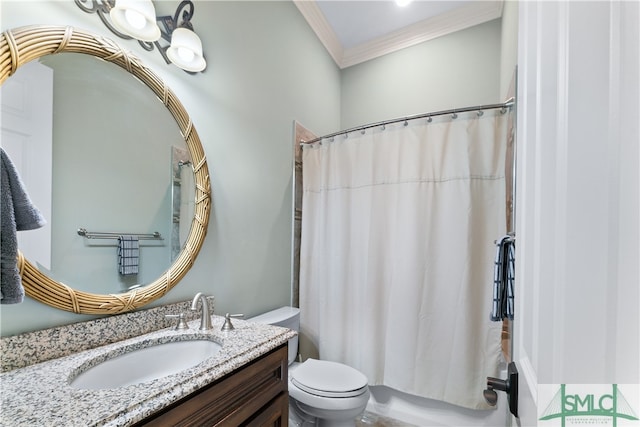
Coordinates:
[21,45]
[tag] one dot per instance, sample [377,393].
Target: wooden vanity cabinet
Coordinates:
[253,395]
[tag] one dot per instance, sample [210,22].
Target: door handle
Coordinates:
[509,386]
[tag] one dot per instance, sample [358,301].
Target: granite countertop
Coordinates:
[41,394]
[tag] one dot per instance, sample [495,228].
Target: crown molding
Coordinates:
[467,16]
[318,23]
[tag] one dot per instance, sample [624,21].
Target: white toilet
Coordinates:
[321,393]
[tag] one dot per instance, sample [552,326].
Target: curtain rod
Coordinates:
[507,104]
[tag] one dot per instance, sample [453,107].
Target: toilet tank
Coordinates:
[287,317]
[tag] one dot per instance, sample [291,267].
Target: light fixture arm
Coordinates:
[170,23]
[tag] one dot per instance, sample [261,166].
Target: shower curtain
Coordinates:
[398,231]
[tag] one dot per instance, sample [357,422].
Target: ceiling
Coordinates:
[354,31]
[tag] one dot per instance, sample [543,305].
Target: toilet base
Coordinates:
[309,416]
[298,418]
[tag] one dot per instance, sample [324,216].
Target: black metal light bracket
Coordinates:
[167,23]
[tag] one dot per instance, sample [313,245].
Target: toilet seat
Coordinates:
[329,379]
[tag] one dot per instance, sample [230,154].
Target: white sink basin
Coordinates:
[146,364]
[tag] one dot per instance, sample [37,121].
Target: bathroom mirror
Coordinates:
[22,45]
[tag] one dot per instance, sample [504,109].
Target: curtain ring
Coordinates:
[429,119]
[480,113]
[454,115]
[362,132]
[406,123]
[384,127]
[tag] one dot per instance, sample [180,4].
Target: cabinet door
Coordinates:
[275,414]
[234,399]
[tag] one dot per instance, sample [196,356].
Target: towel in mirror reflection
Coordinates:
[17,213]
[128,255]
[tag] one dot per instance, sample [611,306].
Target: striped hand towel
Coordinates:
[128,255]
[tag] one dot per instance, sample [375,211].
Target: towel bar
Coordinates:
[111,235]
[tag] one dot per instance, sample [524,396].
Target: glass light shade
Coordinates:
[186,50]
[136,18]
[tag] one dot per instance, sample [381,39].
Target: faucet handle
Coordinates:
[182,324]
[228,326]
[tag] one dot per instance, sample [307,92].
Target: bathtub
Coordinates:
[423,412]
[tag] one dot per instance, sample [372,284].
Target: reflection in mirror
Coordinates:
[113,148]
[122,187]
[182,206]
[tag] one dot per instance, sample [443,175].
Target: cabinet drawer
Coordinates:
[233,399]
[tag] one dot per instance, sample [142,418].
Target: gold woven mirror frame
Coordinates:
[23,44]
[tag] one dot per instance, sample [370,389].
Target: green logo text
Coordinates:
[587,406]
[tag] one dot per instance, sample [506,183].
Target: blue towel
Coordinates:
[128,253]
[17,213]
[510,277]
[503,279]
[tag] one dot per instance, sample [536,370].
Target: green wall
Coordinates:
[458,70]
[266,69]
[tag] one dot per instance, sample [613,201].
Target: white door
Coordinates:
[26,126]
[578,201]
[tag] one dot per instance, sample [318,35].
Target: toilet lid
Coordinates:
[328,379]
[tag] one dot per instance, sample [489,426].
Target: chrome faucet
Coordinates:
[205,315]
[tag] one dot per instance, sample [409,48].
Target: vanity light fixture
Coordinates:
[136,19]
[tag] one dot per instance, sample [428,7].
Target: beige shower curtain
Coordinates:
[398,230]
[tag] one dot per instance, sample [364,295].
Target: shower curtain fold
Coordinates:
[397,253]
